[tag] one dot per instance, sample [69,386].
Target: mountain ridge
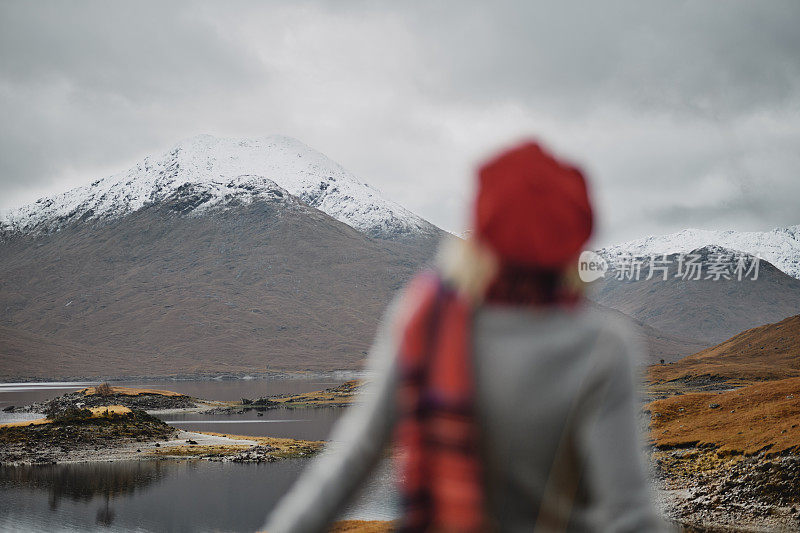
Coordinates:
[270,285]
[708,310]
[234,171]
[766,352]
[779,246]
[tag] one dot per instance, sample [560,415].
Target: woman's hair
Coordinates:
[467,265]
[531,217]
[476,272]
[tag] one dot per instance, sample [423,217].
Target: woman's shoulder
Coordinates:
[612,335]
[619,339]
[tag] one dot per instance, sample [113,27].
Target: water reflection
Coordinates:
[157,496]
[235,389]
[309,424]
[213,389]
[174,495]
[85,481]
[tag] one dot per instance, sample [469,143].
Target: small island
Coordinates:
[106,423]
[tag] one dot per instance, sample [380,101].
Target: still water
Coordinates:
[170,495]
[212,389]
[309,424]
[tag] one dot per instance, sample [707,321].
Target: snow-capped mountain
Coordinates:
[229,172]
[781,246]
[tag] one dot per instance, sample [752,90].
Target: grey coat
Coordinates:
[556,408]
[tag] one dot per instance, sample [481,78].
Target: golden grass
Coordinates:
[768,352]
[37,422]
[284,447]
[107,410]
[362,526]
[343,394]
[693,462]
[192,450]
[97,412]
[764,416]
[281,443]
[130,391]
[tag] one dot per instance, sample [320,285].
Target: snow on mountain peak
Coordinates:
[780,246]
[226,168]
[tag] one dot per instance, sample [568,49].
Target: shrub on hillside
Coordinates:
[68,416]
[104,389]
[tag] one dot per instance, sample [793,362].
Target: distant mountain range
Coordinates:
[780,246]
[767,352]
[659,345]
[204,261]
[706,310]
[224,173]
[238,255]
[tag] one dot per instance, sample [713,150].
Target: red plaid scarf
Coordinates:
[439,458]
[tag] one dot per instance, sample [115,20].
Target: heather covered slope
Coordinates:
[657,344]
[763,416]
[25,354]
[767,352]
[268,284]
[706,310]
[726,430]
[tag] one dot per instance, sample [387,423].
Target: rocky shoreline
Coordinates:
[116,423]
[76,432]
[143,399]
[339,396]
[707,491]
[728,458]
[709,479]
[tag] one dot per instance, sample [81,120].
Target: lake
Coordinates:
[175,495]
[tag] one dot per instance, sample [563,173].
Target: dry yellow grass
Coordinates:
[362,526]
[130,391]
[281,443]
[688,465]
[284,447]
[190,450]
[97,412]
[767,352]
[765,416]
[106,410]
[37,422]
[343,394]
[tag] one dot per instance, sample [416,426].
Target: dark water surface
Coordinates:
[235,389]
[157,496]
[309,424]
[20,394]
[170,495]
[212,389]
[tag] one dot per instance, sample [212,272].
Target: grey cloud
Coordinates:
[90,83]
[682,57]
[136,51]
[683,112]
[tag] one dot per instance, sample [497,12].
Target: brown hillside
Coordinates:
[274,285]
[658,344]
[362,526]
[765,416]
[766,352]
[706,310]
[130,391]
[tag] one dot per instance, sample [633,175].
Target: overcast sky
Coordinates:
[683,114]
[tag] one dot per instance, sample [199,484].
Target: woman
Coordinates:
[512,405]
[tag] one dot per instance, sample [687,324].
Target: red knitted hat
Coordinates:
[532,209]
